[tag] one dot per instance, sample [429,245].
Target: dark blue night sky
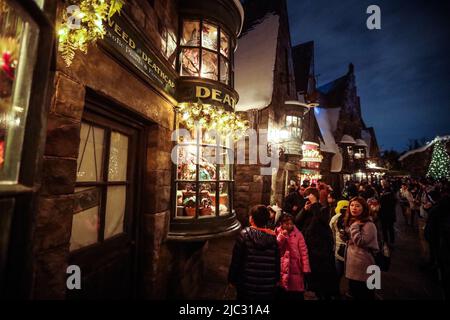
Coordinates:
[402,71]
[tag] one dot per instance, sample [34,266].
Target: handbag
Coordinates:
[383,258]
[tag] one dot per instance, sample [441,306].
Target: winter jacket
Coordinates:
[361,247]
[387,206]
[304,218]
[294,260]
[320,243]
[255,265]
[338,242]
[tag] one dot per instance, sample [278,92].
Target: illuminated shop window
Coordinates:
[203,179]
[18,45]
[360,153]
[294,126]
[204,53]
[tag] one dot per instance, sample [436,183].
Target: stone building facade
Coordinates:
[117,225]
[347,142]
[266,30]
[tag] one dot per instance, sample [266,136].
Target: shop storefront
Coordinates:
[110,196]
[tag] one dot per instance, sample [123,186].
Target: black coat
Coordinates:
[387,206]
[320,243]
[255,265]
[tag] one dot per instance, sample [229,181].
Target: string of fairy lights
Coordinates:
[212,118]
[440,162]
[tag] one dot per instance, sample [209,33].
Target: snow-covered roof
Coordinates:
[337,162]
[255,63]
[347,139]
[424,148]
[361,143]
[327,119]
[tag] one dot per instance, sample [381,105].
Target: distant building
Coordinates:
[350,147]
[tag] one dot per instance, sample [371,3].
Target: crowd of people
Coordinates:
[323,241]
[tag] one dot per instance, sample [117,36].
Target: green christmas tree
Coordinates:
[440,162]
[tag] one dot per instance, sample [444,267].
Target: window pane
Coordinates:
[115,210]
[186,200]
[18,43]
[224,71]
[187,160]
[209,65]
[86,198]
[207,164]
[90,153]
[191,33]
[118,157]
[224,44]
[225,194]
[209,36]
[169,45]
[288,121]
[225,164]
[190,65]
[85,227]
[207,207]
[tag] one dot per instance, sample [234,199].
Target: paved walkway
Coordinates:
[407,279]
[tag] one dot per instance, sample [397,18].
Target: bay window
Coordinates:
[205,51]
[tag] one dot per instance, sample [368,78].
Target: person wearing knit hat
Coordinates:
[337,226]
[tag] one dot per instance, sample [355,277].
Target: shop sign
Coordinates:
[215,94]
[123,42]
[311,152]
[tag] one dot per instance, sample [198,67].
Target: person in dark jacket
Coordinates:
[255,264]
[387,212]
[313,221]
[294,201]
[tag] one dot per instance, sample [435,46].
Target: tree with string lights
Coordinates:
[440,162]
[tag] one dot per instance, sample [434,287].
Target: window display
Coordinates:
[203,176]
[190,63]
[205,54]
[191,33]
[18,43]
[209,36]
[209,65]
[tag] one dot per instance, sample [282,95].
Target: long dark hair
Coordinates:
[365,215]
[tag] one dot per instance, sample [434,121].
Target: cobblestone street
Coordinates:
[407,279]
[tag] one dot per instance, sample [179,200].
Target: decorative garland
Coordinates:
[3,7]
[209,117]
[91,15]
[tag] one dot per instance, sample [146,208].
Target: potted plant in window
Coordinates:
[206,207]
[189,206]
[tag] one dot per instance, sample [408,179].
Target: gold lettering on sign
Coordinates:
[215,95]
[202,92]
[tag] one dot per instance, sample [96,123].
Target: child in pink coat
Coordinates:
[294,259]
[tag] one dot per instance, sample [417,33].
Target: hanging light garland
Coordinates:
[225,123]
[91,15]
